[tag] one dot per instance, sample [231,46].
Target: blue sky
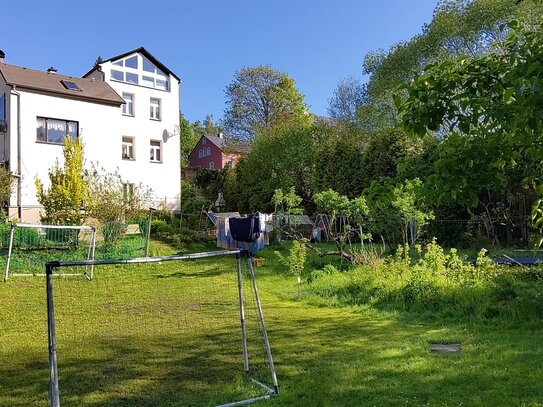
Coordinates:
[316,42]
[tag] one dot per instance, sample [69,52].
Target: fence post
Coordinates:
[242,316]
[149,218]
[53,372]
[262,324]
[10,248]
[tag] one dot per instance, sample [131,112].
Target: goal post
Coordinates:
[181,311]
[43,241]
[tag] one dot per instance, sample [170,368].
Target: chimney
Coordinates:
[52,70]
[2,56]
[220,135]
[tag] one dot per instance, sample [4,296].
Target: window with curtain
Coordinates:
[53,131]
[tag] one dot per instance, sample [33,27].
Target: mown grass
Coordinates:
[327,352]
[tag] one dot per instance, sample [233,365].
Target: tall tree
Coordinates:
[348,96]
[261,98]
[279,160]
[490,107]
[188,139]
[458,28]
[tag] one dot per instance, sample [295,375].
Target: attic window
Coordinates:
[70,85]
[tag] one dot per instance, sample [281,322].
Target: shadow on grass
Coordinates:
[337,358]
[125,371]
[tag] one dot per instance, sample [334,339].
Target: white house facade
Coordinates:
[125,109]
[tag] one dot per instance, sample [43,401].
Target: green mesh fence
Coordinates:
[33,247]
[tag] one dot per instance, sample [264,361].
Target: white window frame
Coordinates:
[211,165]
[142,73]
[154,105]
[129,107]
[153,151]
[128,148]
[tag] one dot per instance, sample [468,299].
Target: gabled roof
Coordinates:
[218,141]
[41,81]
[147,54]
[236,146]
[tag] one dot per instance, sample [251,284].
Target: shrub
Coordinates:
[296,258]
[436,282]
[113,233]
[22,237]
[159,227]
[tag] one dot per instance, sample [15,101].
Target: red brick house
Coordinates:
[211,152]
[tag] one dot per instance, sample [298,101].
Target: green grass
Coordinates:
[326,354]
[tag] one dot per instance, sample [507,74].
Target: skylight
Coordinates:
[70,85]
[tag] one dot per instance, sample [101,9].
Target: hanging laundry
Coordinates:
[224,237]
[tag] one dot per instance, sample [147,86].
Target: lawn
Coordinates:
[143,354]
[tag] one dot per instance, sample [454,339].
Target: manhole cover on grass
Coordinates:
[445,348]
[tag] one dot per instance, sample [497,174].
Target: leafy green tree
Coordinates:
[489,106]
[288,200]
[189,139]
[339,164]
[6,187]
[260,99]
[110,201]
[349,162]
[68,193]
[355,211]
[406,200]
[458,28]
[280,160]
[206,128]
[392,206]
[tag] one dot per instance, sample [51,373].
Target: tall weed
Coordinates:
[433,280]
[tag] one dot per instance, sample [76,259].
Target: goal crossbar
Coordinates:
[53,266]
[90,256]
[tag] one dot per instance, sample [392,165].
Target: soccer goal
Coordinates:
[178,330]
[30,246]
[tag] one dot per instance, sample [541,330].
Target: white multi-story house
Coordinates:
[125,109]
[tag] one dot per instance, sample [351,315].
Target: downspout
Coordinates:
[19,180]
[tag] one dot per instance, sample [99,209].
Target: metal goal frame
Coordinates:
[89,269]
[52,266]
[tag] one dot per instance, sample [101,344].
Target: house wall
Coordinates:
[102,128]
[231,157]
[97,125]
[164,177]
[215,157]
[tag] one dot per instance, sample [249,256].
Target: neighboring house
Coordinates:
[212,152]
[126,109]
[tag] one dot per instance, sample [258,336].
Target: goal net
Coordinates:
[183,330]
[25,248]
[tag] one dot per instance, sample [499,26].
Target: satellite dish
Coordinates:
[166,135]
